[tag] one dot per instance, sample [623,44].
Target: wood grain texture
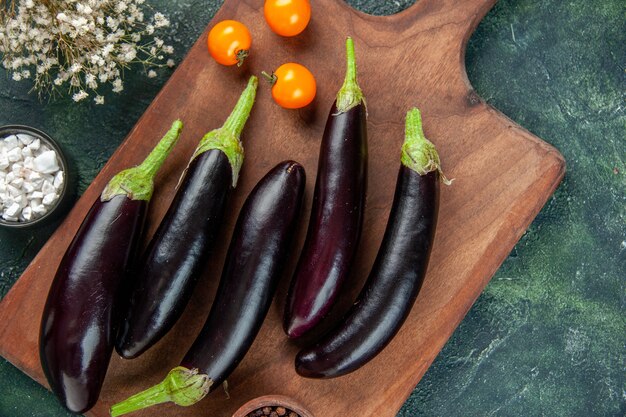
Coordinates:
[503,176]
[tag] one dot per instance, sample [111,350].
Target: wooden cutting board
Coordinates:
[503,176]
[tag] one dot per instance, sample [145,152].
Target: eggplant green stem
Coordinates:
[227,137]
[181,386]
[350,94]
[418,153]
[138,183]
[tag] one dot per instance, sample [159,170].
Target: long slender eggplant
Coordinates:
[337,213]
[398,271]
[182,244]
[80,317]
[256,256]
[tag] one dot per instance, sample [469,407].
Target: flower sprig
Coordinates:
[78,46]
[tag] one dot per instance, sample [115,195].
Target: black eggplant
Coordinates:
[181,246]
[258,251]
[80,317]
[337,213]
[398,271]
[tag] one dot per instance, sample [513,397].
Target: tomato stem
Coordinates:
[350,94]
[271,78]
[241,56]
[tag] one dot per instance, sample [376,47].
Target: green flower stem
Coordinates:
[418,153]
[350,94]
[138,183]
[227,138]
[181,386]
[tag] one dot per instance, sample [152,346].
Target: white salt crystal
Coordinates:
[18,182]
[10,142]
[30,177]
[12,210]
[27,213]
[35,145]
[28,188]
[14,155]
[25,139]
[46,162]
[48,177]
[59,179]
[36,179]
[14,191]
[40,209]
[49,199]
[9,218]
[16,168]
[47,187]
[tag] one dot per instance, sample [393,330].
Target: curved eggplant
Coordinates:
[257,254]
[337,213]
[398,271]
[182,244]
[82,309]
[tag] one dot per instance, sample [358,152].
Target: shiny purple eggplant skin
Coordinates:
[176,255]
[335,223]
[79,321]
[392,286]
[258,252]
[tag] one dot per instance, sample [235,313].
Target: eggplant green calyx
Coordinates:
[227,137]
[418,153]
[181,386]
[138,183]
[350,94]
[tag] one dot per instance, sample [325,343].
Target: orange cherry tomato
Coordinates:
[294,86]
[287,17]
[229,42]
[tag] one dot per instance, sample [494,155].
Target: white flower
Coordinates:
[117,85]
[81,95]
[160,20]
[86,43]
[90,81]
[112,23]
[120,7]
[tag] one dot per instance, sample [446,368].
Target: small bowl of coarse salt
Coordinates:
[33,177]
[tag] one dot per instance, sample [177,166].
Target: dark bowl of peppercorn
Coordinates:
[272,406]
